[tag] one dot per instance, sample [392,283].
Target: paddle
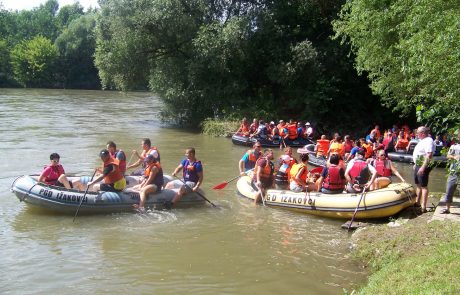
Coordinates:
[84,195]
[224,184]
[356,210]
[200,194]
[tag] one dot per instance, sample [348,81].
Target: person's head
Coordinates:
[190,152]
[105,155]
[272,123]
[338,138]
[282,122]
[245,120]
[346,138]
[54,158]
[257,146]
[381,154]
[334,159]
[303,157]
[376,127]
[291,121]
[358,142]
[307,124]
[389,133]
[323,136]
[146,144]
[361,152]
[111,146]
[423,131]
[288,151]
[261,122]
[336,135]
[268,153]
[401,134]
[254,120]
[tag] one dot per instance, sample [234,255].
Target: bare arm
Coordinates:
[396,172]
[177,170]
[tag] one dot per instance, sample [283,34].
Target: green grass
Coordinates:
[219,127]
[416,258]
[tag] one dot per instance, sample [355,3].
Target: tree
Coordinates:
[33,62]
[409,50]
[76,46]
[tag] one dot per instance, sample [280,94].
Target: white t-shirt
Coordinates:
[423,147]
[154,153]
[454,150]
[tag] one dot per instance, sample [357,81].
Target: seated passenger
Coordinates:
[54,174]
[332,180]
[152,181]
[283,168]
[401,142]
[111,174]
[358,173]
[291,130]
[336,147]
[253,127]
[244,127]
[298,175]
[117,154]
[322,146]
[147,149]
[385,169]
[261,131]
[354,150]
[308,130]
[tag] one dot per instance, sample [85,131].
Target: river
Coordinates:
[239,249]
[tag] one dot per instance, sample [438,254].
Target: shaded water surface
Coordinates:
[240,249]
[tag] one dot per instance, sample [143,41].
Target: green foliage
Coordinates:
[219,127]
[76,46]
[418,258]
[5,68]
[220,59]
[33,62]
[409,50]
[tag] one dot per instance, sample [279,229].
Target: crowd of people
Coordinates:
[351,166]
[269,130]
[111,176]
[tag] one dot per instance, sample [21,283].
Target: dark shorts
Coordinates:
[58,183]
[422,180]
[108,188]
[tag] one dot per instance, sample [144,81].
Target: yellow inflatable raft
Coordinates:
[374,204]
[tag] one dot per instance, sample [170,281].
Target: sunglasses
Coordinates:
[55,160]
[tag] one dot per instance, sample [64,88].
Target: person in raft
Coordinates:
[298,175]
[385,169]
[111,174]
[249,159]
[263,175]
[147,149]
[117,154]
[152,181]
[244,127]
[358,173]
[332,179]
[54,174]
[192,173]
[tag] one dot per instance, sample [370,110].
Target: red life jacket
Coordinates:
[54,174]
[355,171]
[292,131]
[383,167]
[122,164]
[115,175]
[333,180]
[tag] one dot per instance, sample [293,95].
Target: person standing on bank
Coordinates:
[192,173]
[423,152]
[454,171]
[111,174]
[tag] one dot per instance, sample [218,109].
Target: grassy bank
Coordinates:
[219,127]
[414,258]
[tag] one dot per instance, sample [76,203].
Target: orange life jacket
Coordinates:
[295,169]
[369,151]
[158,180]
[244,128]
[115,175]
[122,164]
[267,171]
[334,180]
[292,131]
[383,167]
[323,147]
[337,148]
[401,144]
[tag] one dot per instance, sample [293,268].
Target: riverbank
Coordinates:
[219,127]
[416,257]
